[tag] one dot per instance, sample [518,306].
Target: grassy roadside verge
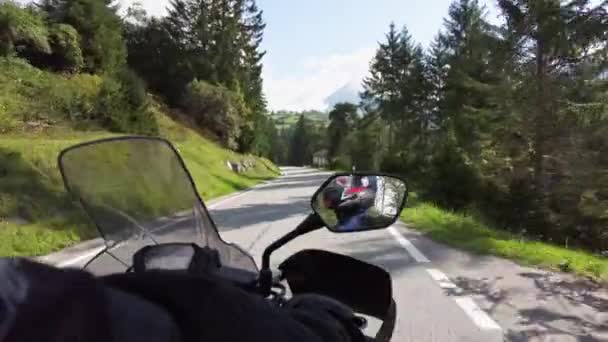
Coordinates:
[467,233]
[36,215]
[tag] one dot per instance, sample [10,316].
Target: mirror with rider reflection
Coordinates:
[359,202]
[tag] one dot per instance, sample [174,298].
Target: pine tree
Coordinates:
[300,153]
[342,118]
[252,33]
[468,82]
[437,69]
[553,40]
[397,88]
[250,72]
[380,88]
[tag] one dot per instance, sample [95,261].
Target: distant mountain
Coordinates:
[349,92]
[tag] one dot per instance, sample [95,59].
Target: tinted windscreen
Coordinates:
[138,193]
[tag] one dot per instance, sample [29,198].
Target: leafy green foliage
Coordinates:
[265,137]
[300,145]
[509,120]
[35,98]
[100,29]
[123,106]
[22,29]
[65,43]
[42,112]
[342,118]
[216,109]
[76,97]
[36,217]
[157,58]
[215,41]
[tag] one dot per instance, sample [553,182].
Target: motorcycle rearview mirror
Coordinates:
[358,202]
[346,202]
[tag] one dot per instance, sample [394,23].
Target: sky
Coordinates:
[318,51]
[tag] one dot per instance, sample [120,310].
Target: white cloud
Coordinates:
[320,78]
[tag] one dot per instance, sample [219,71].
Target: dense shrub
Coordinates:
[340,163]
[216,109]
[116,102]
[7,121]
[74,98]
[122,105]
[22,30]
[65,44]
[99,28]
[452,182]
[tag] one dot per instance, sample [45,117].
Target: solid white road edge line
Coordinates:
[409,247]
[228,199]
[467,304]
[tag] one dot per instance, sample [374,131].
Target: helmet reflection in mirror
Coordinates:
[360,202]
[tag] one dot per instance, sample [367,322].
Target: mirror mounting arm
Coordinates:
[311,223]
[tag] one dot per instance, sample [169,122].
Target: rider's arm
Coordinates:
[43,303]
[214,311]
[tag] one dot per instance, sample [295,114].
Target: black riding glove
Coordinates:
[326,316]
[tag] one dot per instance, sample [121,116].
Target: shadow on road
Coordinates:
[575,291]
[383,252]
[565,309]
[488,288]
[247,215]
[542,325]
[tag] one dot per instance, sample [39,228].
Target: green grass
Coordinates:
[468,233]
[36,215]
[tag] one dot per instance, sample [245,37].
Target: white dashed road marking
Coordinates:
[476,314]
[480,317]
[443,280]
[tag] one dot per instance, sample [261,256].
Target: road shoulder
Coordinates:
[530,304]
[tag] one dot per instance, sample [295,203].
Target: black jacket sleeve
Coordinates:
[42,303]
[207,309]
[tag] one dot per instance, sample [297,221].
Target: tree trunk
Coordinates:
[541,125]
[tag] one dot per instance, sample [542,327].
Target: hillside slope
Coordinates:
[36,216]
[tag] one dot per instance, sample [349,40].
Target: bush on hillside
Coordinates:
[100,30]
[25,33]
[28,94]
[123,107]
[7,121]
[22,30]
[65,44]
[452,182]
[216,109]
[74,98]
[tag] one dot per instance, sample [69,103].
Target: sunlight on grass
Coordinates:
[36,215]
[465,232]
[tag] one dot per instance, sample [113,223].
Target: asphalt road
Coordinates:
[431,305]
